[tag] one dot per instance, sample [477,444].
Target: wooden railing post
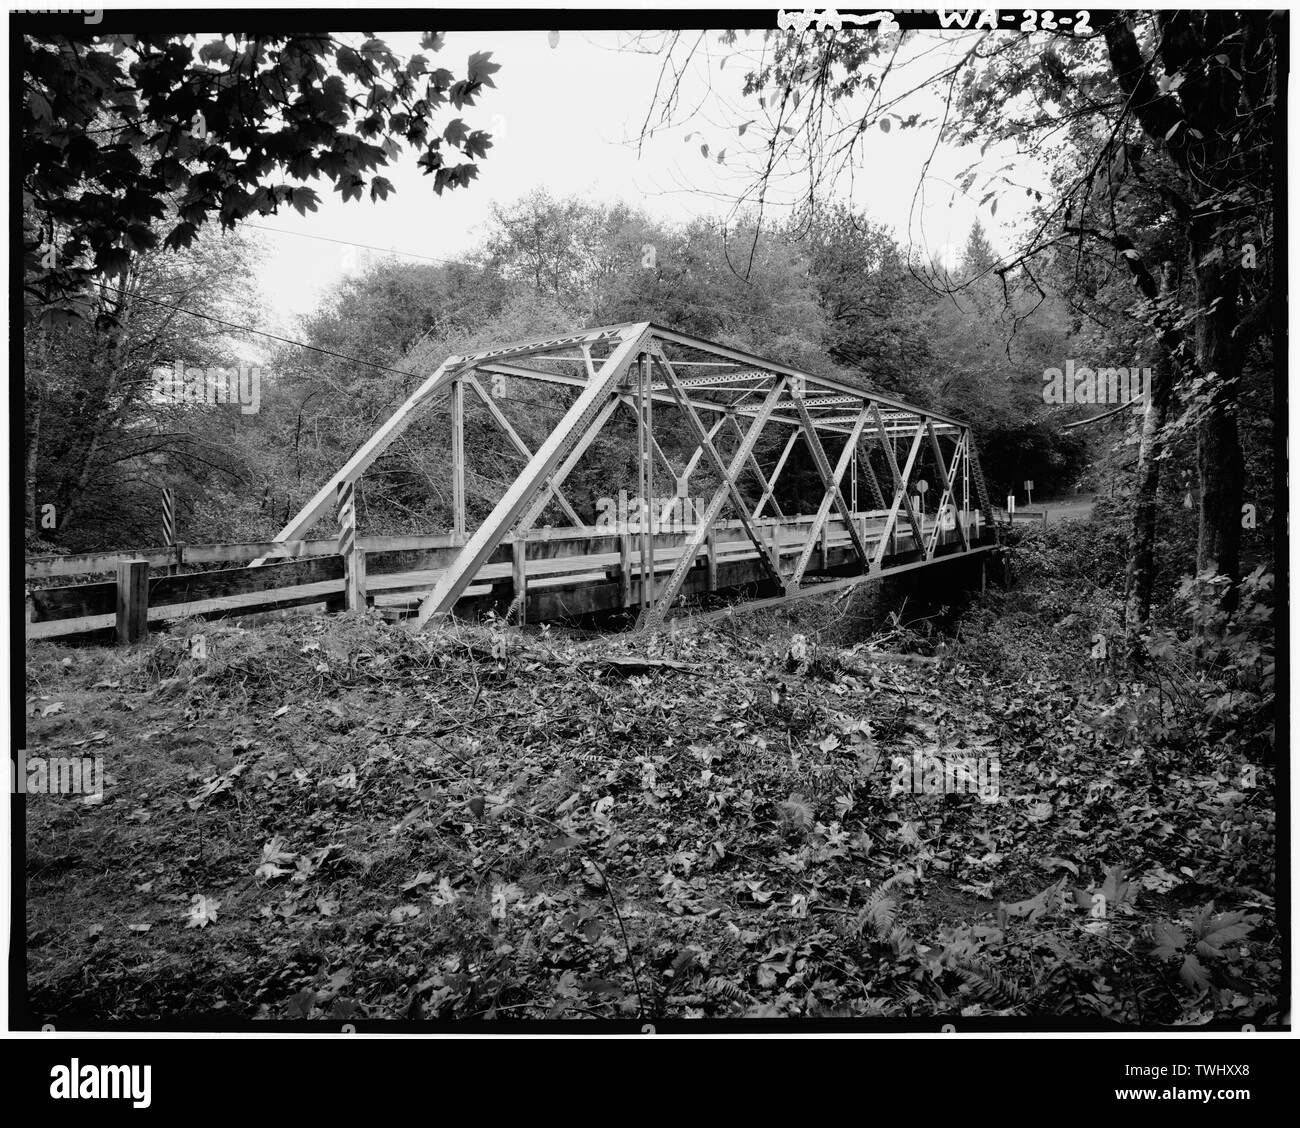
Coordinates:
[354,578]
[711,547]
[132,600]
[354,562]
[519,573]
[457,457]
[625,565]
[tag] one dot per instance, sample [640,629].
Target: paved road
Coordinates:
[1075,507]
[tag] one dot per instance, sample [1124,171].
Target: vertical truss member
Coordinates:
[700,378]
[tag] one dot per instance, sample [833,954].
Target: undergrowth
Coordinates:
[338,820]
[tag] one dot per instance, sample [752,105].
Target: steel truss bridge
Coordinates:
[709,404]
[673,382]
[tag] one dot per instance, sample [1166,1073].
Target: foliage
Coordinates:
[124,135]
[479,824]
[101,441]
[1157,134]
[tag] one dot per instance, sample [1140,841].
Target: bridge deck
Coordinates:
[700,407]
[567,584]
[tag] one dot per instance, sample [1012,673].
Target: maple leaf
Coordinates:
[1060,863]
[202,911]
[477,144]
[300,1005]
[559,842]
[1193,972]
[444,894]
[1115,889]
[275,853]
[456,132]
[480,69]
[1159,880]
[1169,939]
[266,871]
[1213,932]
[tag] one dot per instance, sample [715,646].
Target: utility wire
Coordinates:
[302,344]
[259,332]
[349,243]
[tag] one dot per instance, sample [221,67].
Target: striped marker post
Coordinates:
[169,517]
[354,564]
[169,525]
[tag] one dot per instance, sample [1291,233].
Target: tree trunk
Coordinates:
[1219,460]
[1199,130]
[102,413]
[1141,576]
[35,405]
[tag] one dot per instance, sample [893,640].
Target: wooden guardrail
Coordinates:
[542,542]
[82,600]
[312,572]
[92,563]
[1020,515]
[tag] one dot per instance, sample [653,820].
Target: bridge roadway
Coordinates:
[563,577]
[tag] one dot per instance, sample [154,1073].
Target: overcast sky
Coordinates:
[567,118]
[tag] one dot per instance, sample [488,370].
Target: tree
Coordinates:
[1173,112]
[978,258]
[873,306]
[1213,118]
[95,427]
[133,141]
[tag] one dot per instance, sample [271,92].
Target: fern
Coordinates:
[901,940]
[877,916]
[990,986]
[725,989]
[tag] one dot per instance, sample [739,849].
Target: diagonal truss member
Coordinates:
[752,396]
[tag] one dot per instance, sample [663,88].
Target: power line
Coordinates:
[301,344]
[259,332]
[349,243]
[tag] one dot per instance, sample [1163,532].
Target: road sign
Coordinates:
[922,485]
